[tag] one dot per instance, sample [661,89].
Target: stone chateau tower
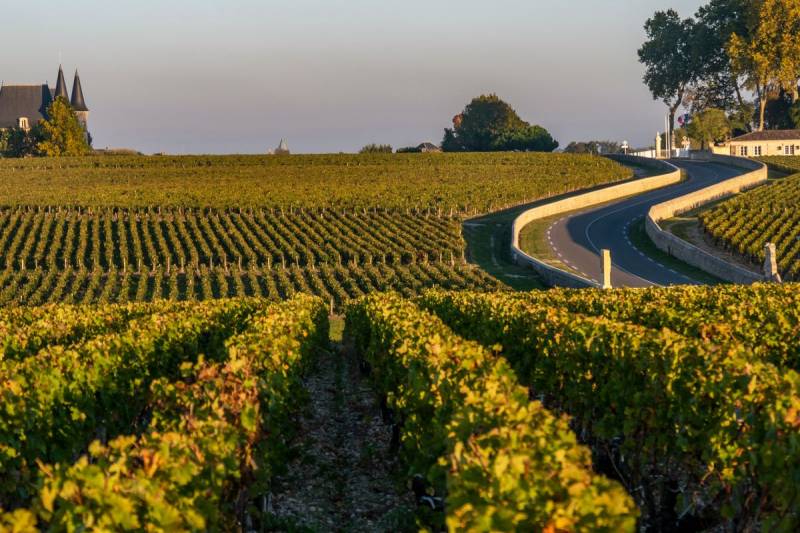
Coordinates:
[23,106]
[78,103]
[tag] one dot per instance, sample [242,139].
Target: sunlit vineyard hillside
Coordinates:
[125,228]
[467,183]
[572,410]
[767,214]
[689,397]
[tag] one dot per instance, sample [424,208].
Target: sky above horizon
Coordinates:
[181,76]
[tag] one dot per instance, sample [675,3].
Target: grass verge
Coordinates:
[642,242]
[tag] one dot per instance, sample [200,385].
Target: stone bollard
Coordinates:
[606,268]
[771,273]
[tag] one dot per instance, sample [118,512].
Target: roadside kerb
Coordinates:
[561,278]
[689,253]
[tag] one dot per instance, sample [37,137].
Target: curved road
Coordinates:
[578,238]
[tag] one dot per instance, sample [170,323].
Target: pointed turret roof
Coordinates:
[77,102]
[61,86]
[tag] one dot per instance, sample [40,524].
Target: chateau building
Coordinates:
[23,106]
[764,143]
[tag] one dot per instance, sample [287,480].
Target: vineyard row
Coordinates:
[768,214]
[32,238]
[334,284]
[722,314]
[212,434]
[492,459]
[62,398]
[697,432]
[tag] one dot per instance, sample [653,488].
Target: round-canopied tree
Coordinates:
[61,134]
[489,124]
[709,126]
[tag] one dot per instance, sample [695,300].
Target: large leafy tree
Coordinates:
[61,134]
[768,54]
[718,85]
[777,114]
[794,114]
[709,126]
[670,58]
[490,124]
[17,142]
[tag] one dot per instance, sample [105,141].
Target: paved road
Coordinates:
[578,238]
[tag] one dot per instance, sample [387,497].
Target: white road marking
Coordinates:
[494,258]
[678,189]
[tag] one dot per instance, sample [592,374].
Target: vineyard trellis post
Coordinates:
[771,273]
[606,268]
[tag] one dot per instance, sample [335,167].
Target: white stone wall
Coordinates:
[756,174]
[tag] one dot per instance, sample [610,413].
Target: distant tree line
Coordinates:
[593,147]
[60,135]
[739,58]
[488,124]
[376,149]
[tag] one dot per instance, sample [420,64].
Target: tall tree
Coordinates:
[718,84]
[669,56]
[785,20]
[768,55]
[62,134]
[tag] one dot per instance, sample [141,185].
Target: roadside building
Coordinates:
[764,143]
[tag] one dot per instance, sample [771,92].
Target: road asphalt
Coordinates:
[578,238]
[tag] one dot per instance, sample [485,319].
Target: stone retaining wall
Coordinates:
[561,278]
[756,174]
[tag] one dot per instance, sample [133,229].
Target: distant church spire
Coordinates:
[78,103]
[61,85]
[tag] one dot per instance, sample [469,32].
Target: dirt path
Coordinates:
[343,478]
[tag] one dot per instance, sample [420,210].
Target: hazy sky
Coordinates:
[191,76]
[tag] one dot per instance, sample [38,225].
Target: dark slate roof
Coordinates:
[78,104]
[61,85]
[769,135]
[427,146]
[18,101]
